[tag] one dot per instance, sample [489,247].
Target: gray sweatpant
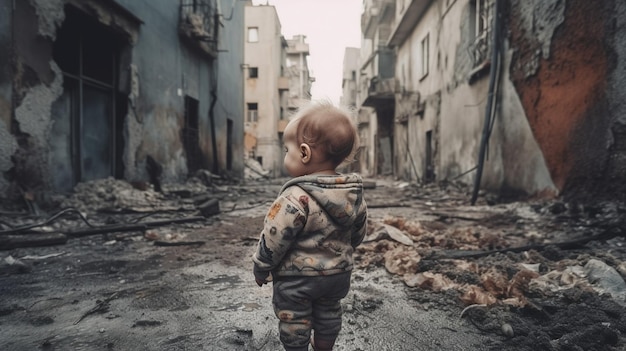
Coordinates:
[305,303]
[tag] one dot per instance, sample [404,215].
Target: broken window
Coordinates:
[199,24]
[481,14]
[85,138]
[253,112]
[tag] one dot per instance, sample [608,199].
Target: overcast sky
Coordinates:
[329,26]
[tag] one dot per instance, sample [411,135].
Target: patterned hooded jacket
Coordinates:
[313,227]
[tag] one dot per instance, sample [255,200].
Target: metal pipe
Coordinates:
[493,73]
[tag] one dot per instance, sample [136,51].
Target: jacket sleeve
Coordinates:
[360,227]
[282,224]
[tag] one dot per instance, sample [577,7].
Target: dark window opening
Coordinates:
[229,144]
[253,109]
[429,162]
[86,138]
[200,16]
[253,72]
[191,135]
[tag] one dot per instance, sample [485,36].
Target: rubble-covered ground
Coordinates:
[116,266]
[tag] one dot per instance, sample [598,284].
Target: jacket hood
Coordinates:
[341,196]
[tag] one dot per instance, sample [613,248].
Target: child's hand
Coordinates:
[260,276]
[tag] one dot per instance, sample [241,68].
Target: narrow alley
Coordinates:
[134,269]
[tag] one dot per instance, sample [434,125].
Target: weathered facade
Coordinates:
[93,89]
[277,83]
[265,57]
[350,99]
[538,115]
[297,71]
[377,88]
[349,80]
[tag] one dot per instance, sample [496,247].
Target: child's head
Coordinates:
[319,138]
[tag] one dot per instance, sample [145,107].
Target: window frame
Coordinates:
[251,38]
[252,115]
[253,72]
[424,56]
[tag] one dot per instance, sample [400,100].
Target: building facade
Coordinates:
[510,96]
[277,83]
[298,73]
[377,88]
[266,84]
[94,89]
[350,99]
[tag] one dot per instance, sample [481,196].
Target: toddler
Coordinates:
[312,229]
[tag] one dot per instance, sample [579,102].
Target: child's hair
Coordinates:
[329,129]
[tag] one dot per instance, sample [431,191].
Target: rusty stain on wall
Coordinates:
[566,90]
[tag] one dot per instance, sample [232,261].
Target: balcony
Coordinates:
[294,103]
[377,77]
[375,13]
[282,124]
[380,63]
[197,25]
[297,48]
[283,83]
[380,91]
[407,20]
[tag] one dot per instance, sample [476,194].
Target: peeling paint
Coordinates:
[33,117]
[538,19]
[50,16]
[567,88]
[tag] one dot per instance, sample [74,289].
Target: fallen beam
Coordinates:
[9,242]
[178,243]
[132,227]
[566,245]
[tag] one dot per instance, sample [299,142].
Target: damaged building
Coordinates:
[141,91]
[278,81]
[517,97]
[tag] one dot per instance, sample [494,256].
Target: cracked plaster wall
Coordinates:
[8,144]
[155,113]
[560,71]
[37,83]
[455,107]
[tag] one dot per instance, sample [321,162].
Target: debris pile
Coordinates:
[111,205]
[430,257]
[538,272]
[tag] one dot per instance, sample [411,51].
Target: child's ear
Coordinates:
[305,153]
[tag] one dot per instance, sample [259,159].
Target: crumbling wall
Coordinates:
[8,145]
[37,83]
[616,170]
[559,70]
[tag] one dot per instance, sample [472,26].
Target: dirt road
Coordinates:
[120,291]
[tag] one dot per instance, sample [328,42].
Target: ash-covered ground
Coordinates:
[116,266]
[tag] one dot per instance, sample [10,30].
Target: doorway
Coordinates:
[429,160]
[191,135]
